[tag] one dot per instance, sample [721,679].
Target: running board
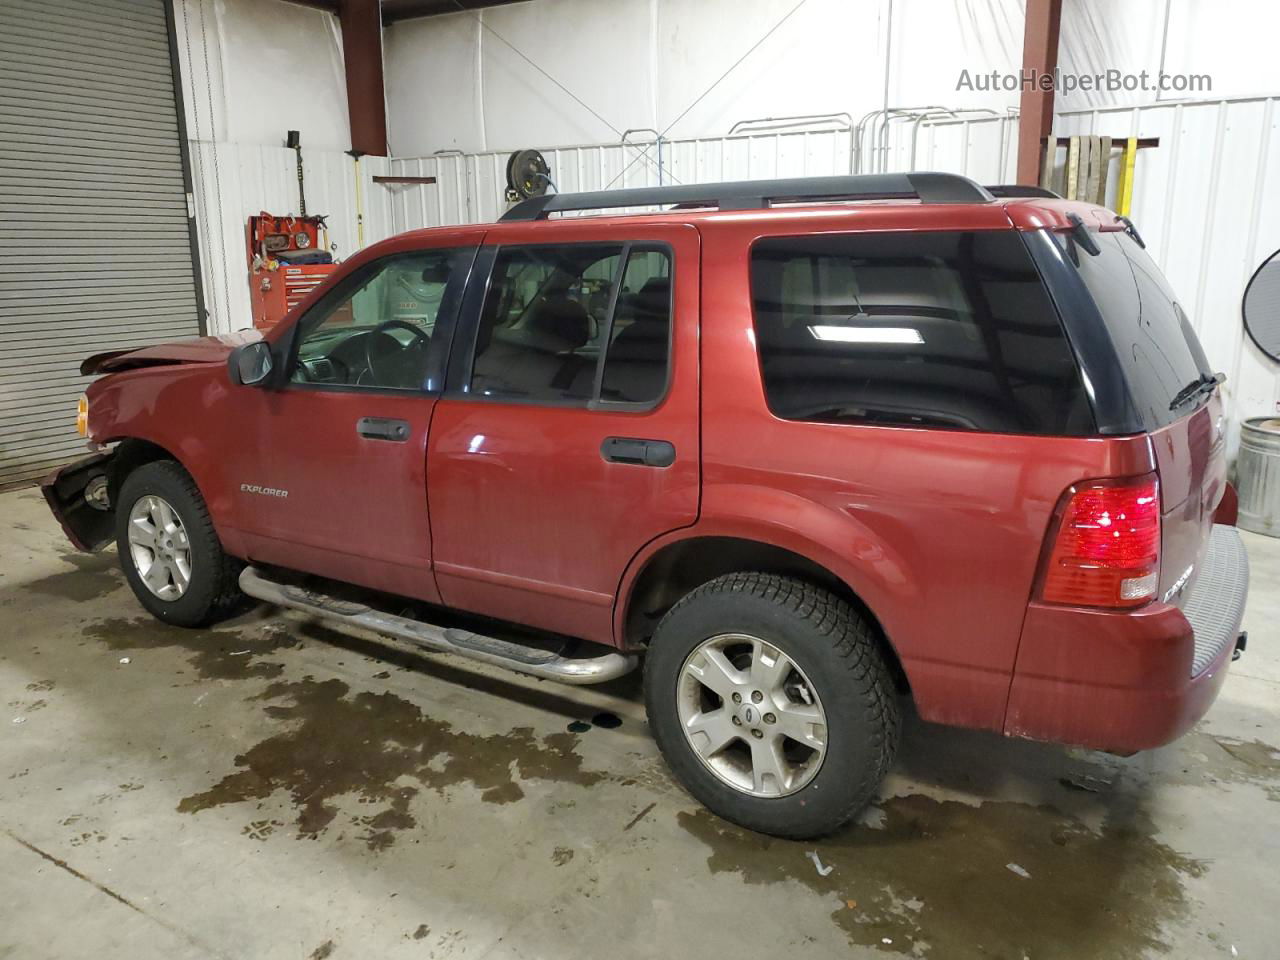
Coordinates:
[544,664]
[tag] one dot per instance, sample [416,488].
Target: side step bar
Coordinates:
[522,659]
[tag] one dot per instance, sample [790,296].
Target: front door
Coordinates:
[332,473]
[567,437]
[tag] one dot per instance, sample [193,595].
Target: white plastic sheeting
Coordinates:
[515,76]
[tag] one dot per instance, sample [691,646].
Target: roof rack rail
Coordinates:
[759,194]
[1006,190]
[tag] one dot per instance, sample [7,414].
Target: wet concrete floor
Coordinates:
[278,788]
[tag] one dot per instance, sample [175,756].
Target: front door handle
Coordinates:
[382,428]
[645,453]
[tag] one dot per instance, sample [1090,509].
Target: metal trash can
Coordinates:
[1258,476]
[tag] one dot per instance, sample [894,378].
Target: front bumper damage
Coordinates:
[79,496]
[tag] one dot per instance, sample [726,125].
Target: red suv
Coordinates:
[810,447]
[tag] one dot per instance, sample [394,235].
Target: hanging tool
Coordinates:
[293,140]
[356,155]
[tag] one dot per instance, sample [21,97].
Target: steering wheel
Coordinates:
[379,334]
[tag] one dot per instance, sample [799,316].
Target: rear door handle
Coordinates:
[382,428]
[644,453]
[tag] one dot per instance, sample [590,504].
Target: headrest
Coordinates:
[655,296]
[561,323]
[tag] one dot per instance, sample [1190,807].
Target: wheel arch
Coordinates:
[133,451]
[673,567]
[130,454]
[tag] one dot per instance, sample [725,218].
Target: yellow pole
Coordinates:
[1124,189]
[359,208]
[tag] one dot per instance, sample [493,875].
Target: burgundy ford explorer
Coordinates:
[807,447]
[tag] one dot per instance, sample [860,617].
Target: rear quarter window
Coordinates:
[948,330]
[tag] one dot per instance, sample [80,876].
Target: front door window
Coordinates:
[379,331]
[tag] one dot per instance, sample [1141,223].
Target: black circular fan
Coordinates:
[527,175]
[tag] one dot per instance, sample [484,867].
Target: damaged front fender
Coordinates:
[79,496]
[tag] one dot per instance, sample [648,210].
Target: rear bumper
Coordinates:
[1130,681]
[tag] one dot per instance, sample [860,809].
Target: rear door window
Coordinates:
[1157,347]
[936,329]
[575,324]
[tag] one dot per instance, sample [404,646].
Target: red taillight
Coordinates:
[1107,549]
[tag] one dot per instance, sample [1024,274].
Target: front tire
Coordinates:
[169,551]
[772,703]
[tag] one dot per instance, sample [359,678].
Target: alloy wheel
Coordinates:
[751,715]
[159,547]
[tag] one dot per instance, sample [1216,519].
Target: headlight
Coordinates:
[82,416]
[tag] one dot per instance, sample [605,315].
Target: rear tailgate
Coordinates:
[1174,395]
[1162,362]
[1191,460]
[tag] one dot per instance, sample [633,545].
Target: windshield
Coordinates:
[1154,340]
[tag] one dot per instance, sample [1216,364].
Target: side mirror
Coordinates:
[250,364]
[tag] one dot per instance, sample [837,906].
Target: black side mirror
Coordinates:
[251,364]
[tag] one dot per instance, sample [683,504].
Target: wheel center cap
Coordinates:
[749,714]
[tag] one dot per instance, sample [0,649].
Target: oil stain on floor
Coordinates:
[226,654]
[367,745]
[999,879]
[93,575]
[1240,761]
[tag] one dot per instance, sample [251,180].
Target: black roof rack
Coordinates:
[1006,190]
[758,194]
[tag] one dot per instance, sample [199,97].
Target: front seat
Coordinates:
[537,358]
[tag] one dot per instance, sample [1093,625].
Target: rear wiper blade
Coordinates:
[1205,383]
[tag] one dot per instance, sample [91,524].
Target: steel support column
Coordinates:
[1039,60]
[362,53]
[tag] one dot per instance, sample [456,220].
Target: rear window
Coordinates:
[939,329]
[1157,347]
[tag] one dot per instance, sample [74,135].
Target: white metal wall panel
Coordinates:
[1207,202]
[469,187]
[236,181]
[94,243]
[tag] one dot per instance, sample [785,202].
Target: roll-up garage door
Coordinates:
[95,249]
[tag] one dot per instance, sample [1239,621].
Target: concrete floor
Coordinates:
[274,788]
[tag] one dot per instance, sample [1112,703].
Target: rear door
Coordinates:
[1161,357]
[567,437]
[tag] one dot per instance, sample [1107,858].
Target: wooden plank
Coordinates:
[1095,161]
[1104,168]
[382,179]
[1048,161]
[1073,167]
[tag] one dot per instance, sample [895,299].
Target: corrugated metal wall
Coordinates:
[236,181]
[1207,202]
[469,187]
[1207,199]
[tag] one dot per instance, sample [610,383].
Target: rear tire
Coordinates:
[169,551]
[815,750]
